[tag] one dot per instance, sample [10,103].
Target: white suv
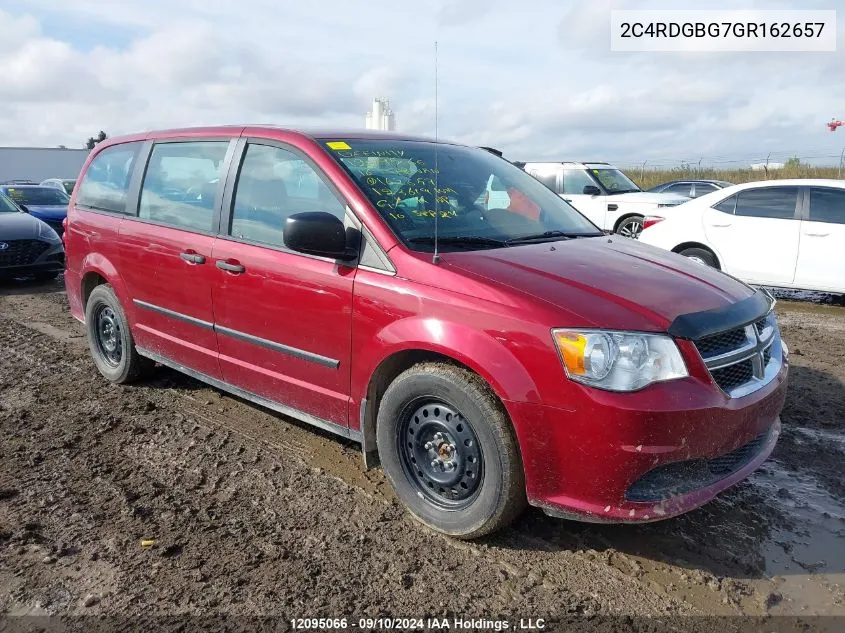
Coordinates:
[602,193]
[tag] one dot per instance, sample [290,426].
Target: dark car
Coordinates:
[28,247]
[45,203]
[487,357]
[691,188]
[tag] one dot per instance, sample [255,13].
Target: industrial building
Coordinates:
[381,117]
[40,163]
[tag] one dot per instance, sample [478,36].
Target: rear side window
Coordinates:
[768,202]
[827,205]
[574,181]
[727,205]
[550,180]
[682,189]
[107,178]
[273,184]
[181,184]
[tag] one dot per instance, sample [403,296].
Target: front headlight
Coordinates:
[618,361]
[46,232]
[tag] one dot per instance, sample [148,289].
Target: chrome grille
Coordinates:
[743,359]
[22,252]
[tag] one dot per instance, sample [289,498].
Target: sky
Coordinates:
[535,78]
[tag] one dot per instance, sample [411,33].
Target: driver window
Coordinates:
[181,182]
[273,184]
[574,181]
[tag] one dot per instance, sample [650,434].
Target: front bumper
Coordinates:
[52,260]
[606,461]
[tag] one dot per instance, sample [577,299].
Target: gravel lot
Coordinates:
[169,498]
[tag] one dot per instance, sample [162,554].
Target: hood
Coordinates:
[48,211]
[18,226]
[606,282]
[646,197]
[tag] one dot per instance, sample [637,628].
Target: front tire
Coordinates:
[631,227]
[448,449]
[701,256]
[110,340]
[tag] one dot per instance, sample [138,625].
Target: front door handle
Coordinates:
[817,234]
[612,207]
[567,199]
[721,226]
[230,267]
[192,257]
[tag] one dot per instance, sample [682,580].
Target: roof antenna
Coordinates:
[436,258]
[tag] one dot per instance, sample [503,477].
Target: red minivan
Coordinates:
[488,351]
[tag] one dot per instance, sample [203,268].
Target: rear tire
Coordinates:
[631,227]
[701,256]
[110,339]
[448,449]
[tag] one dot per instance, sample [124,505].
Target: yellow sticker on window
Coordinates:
[338,145]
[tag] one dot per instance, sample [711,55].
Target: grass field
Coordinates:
[649,178]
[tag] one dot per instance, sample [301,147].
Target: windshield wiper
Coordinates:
[460,240]
[548,236]
[618,191]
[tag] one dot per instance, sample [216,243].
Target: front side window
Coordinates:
[181,182]
[38,196]
[106,181]
[703,188]
[274,183]
[767,202]
[6,205]
[827,205]
[614,180]
[574,181]
[412,183]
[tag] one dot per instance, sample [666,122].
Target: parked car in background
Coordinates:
[603,193]
[782,233]
[28,246]
[518,354]
[45,203]
[18,182]
[65,184]
[691,188]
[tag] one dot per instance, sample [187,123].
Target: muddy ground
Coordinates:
[169,497]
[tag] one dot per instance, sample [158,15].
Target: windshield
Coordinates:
[614,180]
[37,195]
[481,200]
[6,205]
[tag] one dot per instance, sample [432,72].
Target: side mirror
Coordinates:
[317,233]
[592,190]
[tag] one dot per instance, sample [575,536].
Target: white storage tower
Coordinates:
[381,117]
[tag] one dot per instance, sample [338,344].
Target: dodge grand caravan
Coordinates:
[487,357]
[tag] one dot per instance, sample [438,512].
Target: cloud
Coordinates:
[536,79]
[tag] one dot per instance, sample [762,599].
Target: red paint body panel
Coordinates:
[155,273]
[492,310]
[301,302]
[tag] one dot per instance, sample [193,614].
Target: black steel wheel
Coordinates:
[449,450]
[441,454]
[110,340]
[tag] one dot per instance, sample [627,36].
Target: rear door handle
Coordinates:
[230,267]
[817,234]
[567,199]
[612,207]
[721,226]
[192,258]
